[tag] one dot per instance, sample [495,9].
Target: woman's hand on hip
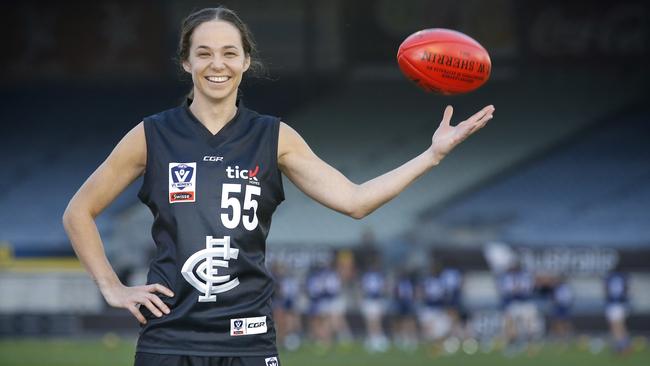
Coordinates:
[131,298]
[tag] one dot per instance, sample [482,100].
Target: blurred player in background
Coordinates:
[434,320]
[616,289]
[522,318]
[320,329]
[212,180]
[405,329]
[334,304]
[285,307]
[562,300]
[373,306]
[452,281]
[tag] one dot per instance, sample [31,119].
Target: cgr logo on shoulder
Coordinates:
[213,158]
[200,269]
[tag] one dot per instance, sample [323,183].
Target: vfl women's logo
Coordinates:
[238,324]
[182,182]
[200,269]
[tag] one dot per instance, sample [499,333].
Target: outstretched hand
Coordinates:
[131,298]
[447,136]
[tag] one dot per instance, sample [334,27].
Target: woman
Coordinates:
[212,180]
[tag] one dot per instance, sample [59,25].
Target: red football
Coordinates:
[444,61]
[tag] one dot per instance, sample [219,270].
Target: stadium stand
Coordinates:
[390,122]
[593,190]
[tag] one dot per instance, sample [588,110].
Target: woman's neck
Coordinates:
[213,115]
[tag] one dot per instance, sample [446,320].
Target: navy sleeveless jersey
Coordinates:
[212,198]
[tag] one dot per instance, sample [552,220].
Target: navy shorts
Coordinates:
[155,359]
[404,308]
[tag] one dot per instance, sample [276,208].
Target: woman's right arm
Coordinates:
[125,164]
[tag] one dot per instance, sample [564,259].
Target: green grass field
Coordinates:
[116,351]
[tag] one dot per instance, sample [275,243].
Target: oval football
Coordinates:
[444,61]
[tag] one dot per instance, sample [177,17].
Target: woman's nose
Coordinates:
[217,63]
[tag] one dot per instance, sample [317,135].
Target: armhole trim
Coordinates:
[145,189]
[275,147]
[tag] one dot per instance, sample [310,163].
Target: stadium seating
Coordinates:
[593,190]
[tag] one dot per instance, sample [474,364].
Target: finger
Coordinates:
[477,120]
[446,117]
[483,120]
[160,288]
[486,120]
[480,124]
[482,113]
[137,314]
[154,310]
[159,303]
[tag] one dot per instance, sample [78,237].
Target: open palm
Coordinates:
[447,136]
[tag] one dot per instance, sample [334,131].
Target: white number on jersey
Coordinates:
[250,222]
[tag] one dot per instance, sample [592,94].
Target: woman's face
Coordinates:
[216,60]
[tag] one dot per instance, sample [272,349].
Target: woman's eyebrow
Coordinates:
[229,46]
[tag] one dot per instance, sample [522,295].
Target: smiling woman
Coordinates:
[243,45]
[217,60]
[212,180]
[216,49]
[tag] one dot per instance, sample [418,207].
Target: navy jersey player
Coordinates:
[452,281]
[616,296]
[432,315]
[319,328]
[562,301]
[405,326]
[522,319]
[212,180]
[373,307]
[335,305]
[285,307]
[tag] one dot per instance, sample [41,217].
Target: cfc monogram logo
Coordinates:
[200,269]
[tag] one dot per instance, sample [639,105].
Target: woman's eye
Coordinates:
[231,54]
[204,54]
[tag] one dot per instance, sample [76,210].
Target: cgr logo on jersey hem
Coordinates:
[182,182]
[249,175]
[200,269]
[248,326]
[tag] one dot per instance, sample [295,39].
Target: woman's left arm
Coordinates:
[328,186]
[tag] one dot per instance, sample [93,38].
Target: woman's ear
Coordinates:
[186,67]
[247,63]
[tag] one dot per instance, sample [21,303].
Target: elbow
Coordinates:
[357,209]
[71,216]
[357,215]
[359,212]
[68,218]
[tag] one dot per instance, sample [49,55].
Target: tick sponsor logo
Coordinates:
[247,174]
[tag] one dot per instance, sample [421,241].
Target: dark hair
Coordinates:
[199,17]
